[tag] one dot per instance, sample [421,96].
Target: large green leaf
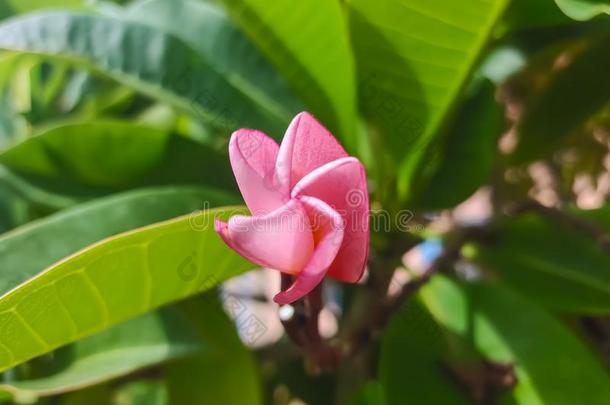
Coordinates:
[63,234]
[531,254]
[146,59]
[413,58]
[102,153]
[552,365]
[188,162]
[469,153]
[63,163]
[308,42]
[211,376]
[206,29]
[573,95]
[112,281]
[112,353]
[411,360]
[583,9]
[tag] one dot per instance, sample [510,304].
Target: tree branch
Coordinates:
[386,307]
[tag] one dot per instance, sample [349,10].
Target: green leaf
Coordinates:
[25,6]
[141,57]
[143,392]
[112,281]
[411,366]
[414,57]
[225,374]
[6,10]
[573,95]
[64,233]
[67,178]
[552,365]
[11,123]
[112,353]
[308,43]
[101,394]
[13,209]
[324,389]
[531,14]
[583,9]
[188,162]
[469,153]
[102,153]
[206,29]
[372,393]
[530,254]
[32,193]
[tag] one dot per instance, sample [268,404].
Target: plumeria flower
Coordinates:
[309,205]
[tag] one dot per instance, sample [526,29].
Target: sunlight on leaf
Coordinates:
[316,61]
[414,58]
[115,280]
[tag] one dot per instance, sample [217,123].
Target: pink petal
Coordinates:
[306,146]
[328,233]
[280,240]
[253,156]
[342,185]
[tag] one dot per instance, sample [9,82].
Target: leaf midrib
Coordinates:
[150,88]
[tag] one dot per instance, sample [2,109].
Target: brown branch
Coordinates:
[367,330]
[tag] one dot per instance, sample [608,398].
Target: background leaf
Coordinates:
[211,377]
[308,43]
[413,58]
[469,153]
[65,233]
[411,365]
[68,178]
[206,29]
[372,393]
[573,95]
[583,9]
[103,153]
[148,60]
[113,281]
[538,258]
[117,351]
[552,365]
[531,14]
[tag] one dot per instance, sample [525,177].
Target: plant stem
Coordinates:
[385,308]
[302,328]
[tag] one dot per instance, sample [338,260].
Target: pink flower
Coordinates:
[309,206]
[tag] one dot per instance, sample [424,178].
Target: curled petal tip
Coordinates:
[305,115]
[222,229]
[282,299]
[219,225]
